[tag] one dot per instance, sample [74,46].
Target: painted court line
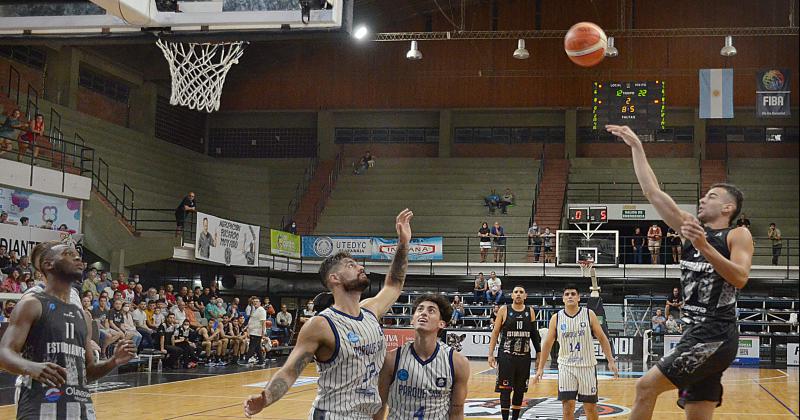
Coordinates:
[778,400]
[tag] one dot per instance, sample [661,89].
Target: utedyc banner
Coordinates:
[420,249]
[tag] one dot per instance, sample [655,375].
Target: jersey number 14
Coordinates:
[575,347]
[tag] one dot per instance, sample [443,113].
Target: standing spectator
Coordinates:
[654,242]
[548,238]
[535,241]
[674,304]
[268,307]
[637,245]
[12,262]
[480,289]
[485,240]
[743,221]
[256,329]
[187,205]
[32,137]
[493,315]
[24,266]
[458,311]
[495,293]
[284,322]
[8,308]
[492,200]
[12,283]
[5,259]
[104,282]
[499,239]
[292,227]
[672,325]
[658,322]
[24,221]
[10,130]
[675,242]
[307,313]
[506,200]
[774,235]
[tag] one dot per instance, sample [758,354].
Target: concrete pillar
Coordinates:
[325,135]
[570,133]
[117,261]
[142,108]
[61,77]
[445,133]
[699,136]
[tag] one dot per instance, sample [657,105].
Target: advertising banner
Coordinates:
[623,347]
[22,239]
[773,87]
[396,337]
[325,246]
[792,354]
[225,241]
[420,249]
[40,210]
[747,354]
[284,244]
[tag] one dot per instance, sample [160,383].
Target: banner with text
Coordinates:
[420,249]
[325,246]
[773,87]
[225,241]
[40,209]
[396,337]
[22,239]
[284,244]
[792,354]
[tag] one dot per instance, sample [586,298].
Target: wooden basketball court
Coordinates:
[770,394]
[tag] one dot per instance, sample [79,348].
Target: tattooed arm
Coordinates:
[313,340]
[393,284]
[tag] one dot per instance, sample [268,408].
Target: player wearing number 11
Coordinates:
[573,326]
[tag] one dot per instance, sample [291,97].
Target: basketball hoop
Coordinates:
[586,267]
[198,71]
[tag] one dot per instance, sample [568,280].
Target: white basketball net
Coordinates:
[198,71]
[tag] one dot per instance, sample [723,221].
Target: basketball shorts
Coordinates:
[695,366]
[513,373]
[577,382]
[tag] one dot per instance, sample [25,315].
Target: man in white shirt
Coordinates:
[256,329]
[140,320]
[180,311]
[284,319]
[495,293]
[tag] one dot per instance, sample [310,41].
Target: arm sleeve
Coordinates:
[535,338]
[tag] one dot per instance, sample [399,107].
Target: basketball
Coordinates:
[268,323]
[585,44]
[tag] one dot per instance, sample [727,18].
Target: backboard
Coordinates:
[110,20]
[602,246]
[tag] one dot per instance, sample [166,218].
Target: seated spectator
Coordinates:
[9,131]
[268,307]
[307,313]
[492,200]
[499,240]
[233,309]
[480,289]
[506,200]
[495,293]
[8,307]
[215,309]
[12,283]
[458,311]
[674,304]
[484,234]
[122,319]
[672,325]
[493,315]
[25,266]
[284,323]
[658,322]
[10,263]
[4,219]
[24,221]
[109,335]
[33,137]
[140,323]
[367,161]
[167,342]
[189,356]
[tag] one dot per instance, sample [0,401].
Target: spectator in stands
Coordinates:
[104,283]
[181,339]
[215,309]
[167,344]
[637,245]
[13,262]
[256,329]
[479,289]
[186,206]
[654,242]
[774,235]
[492,200]
[24,221]
[367,161]
[140,323]
[493,315]
[307,313]
[675,242]
[32,137]
[12,283]
[111,335]
[674,303]
[458,311]
[183,292]
[4,219]
[8,307]
[548,239]
[5,259]
[127,325]
[9,131]
[291,227]
[499,239]
[268,306]
[484,235]
[534,242]
[495,293]
[24,266]
[90,282]
[658,322]
[284,323]
[743,221]
[672,325]
[28,283]
[506,200]
[212,290]
[233,309]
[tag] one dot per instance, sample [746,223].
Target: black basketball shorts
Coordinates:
[695,366]
[513,373]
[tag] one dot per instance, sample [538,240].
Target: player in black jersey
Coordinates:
[48,341]
[516,326]
[715,264]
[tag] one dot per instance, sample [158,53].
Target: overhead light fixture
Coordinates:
[361,32]
[611,51]
[521,53]
[728,50]
[414,53]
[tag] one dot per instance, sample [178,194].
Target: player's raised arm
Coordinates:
[460,385]
[664,204]
[384,382]
[499,319]
[396,277]
[547,344]
[308,343]
[598,332]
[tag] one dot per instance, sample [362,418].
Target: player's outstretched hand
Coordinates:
[694,232]
[625,133]
[47,373]
[492,361]
[124,352]
[253,404]
[613,366]
[538,376]
[403,225]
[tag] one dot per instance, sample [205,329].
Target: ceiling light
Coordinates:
[361,32]
[521,53]
[414,53]
[611,51]
[728,50]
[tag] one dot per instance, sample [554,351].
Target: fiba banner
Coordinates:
[396,337]
[284,244]
[325,246]
[773,87]
[40,209]
[23,239]
[225,241]
[792,354]
[420,249]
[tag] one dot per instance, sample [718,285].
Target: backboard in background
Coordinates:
[573,245]
[110,20]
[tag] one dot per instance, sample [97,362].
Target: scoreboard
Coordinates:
[640,105]
[588,214]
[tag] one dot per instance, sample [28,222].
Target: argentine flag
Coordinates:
[716,93]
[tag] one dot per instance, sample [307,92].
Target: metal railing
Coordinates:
[627,192]
[300,191]
[327,190]
[539,175]
[13,78]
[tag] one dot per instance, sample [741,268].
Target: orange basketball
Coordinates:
[585,44]
[268,323]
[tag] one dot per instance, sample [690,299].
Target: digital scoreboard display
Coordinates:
[640,105]
[588,215]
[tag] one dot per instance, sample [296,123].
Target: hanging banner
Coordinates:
[225,241]
[325,246]
[792,354]
[420,249]
[716,93]
[40,210]
[284,244]
[22,239]
[396,337]
[773,89]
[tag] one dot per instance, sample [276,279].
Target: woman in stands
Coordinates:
[486,241]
